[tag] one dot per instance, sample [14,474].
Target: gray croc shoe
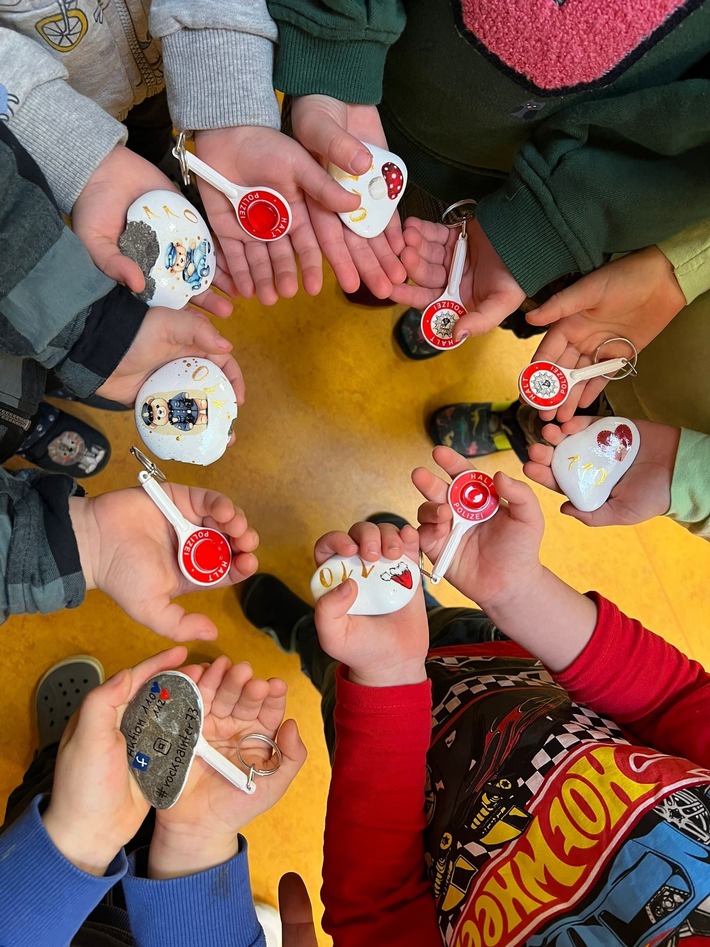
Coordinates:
[60,692]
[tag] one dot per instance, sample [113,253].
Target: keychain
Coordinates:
[545,386]
[262,212]
[473,499]
[162,726]
[440,317]
[204,554]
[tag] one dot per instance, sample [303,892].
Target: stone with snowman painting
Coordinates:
[380,189]
[383,586]
[589,464]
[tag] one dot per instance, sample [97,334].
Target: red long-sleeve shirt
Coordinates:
[513,809]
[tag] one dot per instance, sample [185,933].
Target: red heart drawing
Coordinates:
[615,444]
[404,578]
[164,694]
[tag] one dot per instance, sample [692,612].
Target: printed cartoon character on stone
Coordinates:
[191,261]
[183,411]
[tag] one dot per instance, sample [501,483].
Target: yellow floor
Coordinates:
[332,427]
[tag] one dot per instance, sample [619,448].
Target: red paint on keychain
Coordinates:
[473,496]
[438,321]
[206,556]
[263,215]
[543,385]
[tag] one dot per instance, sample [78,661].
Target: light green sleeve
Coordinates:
[690,488]
[689,253]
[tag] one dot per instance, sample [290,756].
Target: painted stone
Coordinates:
[169,240]
[384,586]
[185,411]
[588,465]
[162,726]
[380,189]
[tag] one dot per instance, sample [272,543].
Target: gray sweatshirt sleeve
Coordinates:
[67,134]
[218,57]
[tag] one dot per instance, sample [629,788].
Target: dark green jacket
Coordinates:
[582,128]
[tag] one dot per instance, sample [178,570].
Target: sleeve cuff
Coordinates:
[214,907]
[349,71]
[689,252]
[528,242]
[68,135]
[690,492]
[219,79]
[45,898]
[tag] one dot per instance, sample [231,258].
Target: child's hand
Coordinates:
[296,912]
[334,131]
[96,805]
[164,335]
[128,549]
[494,559]
[632,298]
[99,219]
[488,289]
[200,830]
[263,156]
[380,650]
[642,493]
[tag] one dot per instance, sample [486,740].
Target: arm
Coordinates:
[375,889]
[577,186]
[46,897]
[665,699]
[689,254]
[68,134]
[690,492]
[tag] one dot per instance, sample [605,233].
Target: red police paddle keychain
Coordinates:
[440,317]
[473,500]
[262,212]
[204,554]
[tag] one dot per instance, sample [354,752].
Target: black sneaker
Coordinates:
[61,691]
[408,336]
[61,443]
[273,608]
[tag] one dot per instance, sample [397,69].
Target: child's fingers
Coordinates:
[523,505]
[334,543]
[243,565]
[450,461]
[540,473]
[170,620]
[333,606]
[369,540]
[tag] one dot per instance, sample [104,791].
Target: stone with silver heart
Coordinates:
[383,586]
[589,464]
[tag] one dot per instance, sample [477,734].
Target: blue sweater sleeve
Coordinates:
[213,907]
[45,898]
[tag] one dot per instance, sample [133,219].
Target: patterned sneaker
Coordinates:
[408,336]
[61,443]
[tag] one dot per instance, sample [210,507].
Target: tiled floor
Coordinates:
[332,427]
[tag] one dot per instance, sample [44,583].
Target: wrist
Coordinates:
[512,596]
[86,532]
[175,853]
[85,850]
[397,675]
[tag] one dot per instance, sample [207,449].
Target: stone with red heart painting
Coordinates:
[589,464]
[384,586]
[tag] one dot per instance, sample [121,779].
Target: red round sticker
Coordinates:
[206,556]
[473,496]
[264,214]
[438,321]
[543,385]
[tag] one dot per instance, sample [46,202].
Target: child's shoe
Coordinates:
[61,443]
[61,691]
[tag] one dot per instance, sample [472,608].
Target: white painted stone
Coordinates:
[384,586]
[588,465]
[185,411]
[171,243]
[380,189]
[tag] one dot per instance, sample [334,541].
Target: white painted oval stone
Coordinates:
[169,240]
[185,411]
[588,465]
[383,586]
[380,189]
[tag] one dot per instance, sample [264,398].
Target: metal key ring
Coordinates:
[458,219]
[631,367]
[252,770]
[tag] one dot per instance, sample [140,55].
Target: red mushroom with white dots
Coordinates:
[393,178]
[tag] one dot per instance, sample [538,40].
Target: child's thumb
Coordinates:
[334,605]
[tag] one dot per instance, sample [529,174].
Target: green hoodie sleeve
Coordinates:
[335,47]
[603,177]
[689,253]
[690,487]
